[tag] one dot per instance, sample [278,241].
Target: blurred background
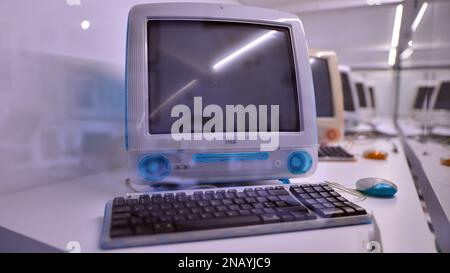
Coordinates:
[62,73]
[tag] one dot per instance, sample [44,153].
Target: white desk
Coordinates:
[73,211]
[434,181]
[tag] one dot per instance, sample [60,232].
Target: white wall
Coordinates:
[384,87]
[61,89]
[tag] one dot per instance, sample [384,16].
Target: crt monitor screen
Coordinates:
[322,87]
[423,94]
[349,104]
[372,97]
[443,97]
[225,63]
[361,95]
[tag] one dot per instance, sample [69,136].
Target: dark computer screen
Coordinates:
[349,104]
[443,97]
[322,87]
[424,93]
[372,97]
[225,63]
[361,95]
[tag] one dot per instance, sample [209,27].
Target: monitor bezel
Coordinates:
[416,93]
[337,120]
[435,96]
[350,115]
[138,135]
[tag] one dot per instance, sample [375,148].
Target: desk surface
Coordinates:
[429,155]
[73,211]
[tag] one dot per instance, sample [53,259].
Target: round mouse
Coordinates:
[376,187]
[375,154]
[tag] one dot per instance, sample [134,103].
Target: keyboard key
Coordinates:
[231,213]
[278,192]
[119,223]
[131,201]
[117,216]
[270,218]
[325,194]
[348,210]
[291,208]
[143,230]
[300,216]
[227,202]
[219,214]
[289,200]
[357,208]
[218,223]
[119,201]
[120,232]
[209,209]
[281,204]
[286,217]
[257,211]
[121,209]
[330,212]
[163,227]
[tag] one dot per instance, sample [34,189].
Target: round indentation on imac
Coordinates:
[154,167]
[277,163]
[299,162]
[333,134]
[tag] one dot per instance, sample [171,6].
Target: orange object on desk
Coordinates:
[375,154]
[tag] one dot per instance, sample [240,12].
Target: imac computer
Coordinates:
[218,93]
[227,55]
[328,94]
[349,93]
[329,105]
[440,112]
[372,98]
[422,101]
[365,110]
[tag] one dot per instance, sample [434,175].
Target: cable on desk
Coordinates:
[351,191]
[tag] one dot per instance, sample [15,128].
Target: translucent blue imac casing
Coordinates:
[210,60]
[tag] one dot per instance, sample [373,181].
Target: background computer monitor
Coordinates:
[351,106]
[373,102]
[440,112]
[365,111]
[328,93]
[238,55]
[371,98]
[422,101]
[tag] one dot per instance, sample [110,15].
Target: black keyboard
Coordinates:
[180,216]
[334,153]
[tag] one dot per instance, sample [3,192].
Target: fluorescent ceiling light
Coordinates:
[243,49]
[392,56]
[85,24]
[397,25]
[419,16]
[406,53]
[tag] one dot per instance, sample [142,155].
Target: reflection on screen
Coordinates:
[348,98]
[322,87]
[443,97]
[361,95]
[225,64]
[372,97]
[423,94]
